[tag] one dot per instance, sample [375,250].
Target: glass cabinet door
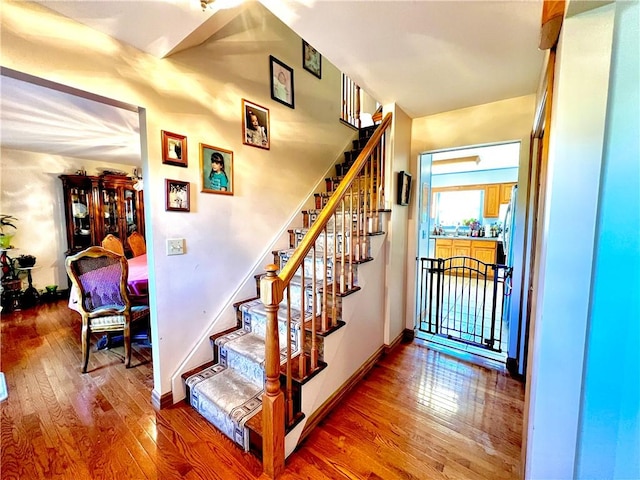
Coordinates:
[130,212]
[80,210]
[110,211]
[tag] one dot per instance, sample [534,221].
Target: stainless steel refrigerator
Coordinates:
[516,347]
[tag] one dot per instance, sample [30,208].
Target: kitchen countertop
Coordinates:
[461,237]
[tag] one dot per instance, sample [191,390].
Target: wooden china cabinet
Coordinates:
[96,206]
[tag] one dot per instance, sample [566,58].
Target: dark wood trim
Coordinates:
[161,401]
[353,127]
[408,334]
[400,338]
[339,394]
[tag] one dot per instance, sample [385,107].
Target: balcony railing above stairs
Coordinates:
[350,112]
[325,258]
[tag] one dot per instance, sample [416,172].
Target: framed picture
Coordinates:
[174,149]
[255,125]
[177,196]
[311,59]
[216,168]
[281,82]
[404,188]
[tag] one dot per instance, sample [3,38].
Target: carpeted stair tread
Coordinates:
[226,399]
[257,307]
[228,391]
[244,354]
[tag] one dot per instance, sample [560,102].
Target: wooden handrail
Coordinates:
[289,270]
[276,407]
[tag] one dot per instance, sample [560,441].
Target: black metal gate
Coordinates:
[462,299]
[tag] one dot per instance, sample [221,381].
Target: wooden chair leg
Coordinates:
[127,344]
[86,339]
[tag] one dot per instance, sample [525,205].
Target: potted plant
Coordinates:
[26,261]
[7,230]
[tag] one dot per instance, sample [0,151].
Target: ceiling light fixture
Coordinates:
[219,4]
[447,161]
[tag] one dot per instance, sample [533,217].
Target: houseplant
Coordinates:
[26,261]
[7,230]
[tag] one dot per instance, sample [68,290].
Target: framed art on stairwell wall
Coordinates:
[281,82]
[174,149]
[404,188]
[255,125]
[216,170]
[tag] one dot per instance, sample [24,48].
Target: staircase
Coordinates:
[277,345]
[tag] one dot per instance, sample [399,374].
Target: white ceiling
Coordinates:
[45,120]
[427,56]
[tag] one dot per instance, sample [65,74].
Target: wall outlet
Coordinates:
[175,246]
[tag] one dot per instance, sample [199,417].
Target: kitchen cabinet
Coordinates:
[96,206]
[460,248]
[485,251]
[443,248]
[491,201]
[482,250]
[505,192]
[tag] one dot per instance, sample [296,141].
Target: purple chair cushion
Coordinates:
[102,287]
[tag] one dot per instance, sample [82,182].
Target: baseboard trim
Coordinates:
[333,400]
[161,401]
[400,338]
[408,334]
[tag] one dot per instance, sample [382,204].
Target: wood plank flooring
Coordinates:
[419,414]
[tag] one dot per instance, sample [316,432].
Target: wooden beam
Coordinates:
[552,16]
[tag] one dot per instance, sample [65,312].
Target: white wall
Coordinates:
[609,429]
[32,192]
[198,93]
[399,290]
[566,255]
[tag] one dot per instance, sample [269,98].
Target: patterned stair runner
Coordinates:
[229,393]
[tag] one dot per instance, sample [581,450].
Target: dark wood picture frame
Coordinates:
[177,195]
[311,60]
[404,188]
[208,156]
[259,135]
[281,82]
[174,149]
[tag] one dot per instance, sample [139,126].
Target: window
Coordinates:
[454,207]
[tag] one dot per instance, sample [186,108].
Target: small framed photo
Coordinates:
[281,82]
[216,168]
[174,149]
[404,188]
[255,125]
[177,196]
[311,59]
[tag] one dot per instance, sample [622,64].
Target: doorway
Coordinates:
[464,198]
[47,130]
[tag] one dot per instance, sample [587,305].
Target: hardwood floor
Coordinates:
[419,414]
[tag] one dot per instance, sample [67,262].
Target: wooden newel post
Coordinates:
[273,398]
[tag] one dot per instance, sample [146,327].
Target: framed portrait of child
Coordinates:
[311,59]
[216,168]
[255,125]
[281,82]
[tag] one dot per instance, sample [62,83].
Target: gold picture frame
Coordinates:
[216,170]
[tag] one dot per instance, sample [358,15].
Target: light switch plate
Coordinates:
[175,246]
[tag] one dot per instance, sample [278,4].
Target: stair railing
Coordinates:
[350,111]
[351,214]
